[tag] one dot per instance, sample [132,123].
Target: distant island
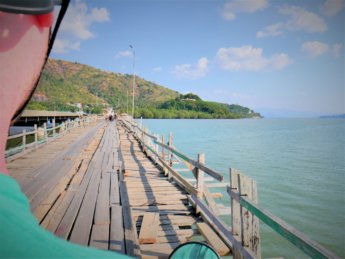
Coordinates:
[68,86]
[337,116]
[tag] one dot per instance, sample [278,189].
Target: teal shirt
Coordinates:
[21,236]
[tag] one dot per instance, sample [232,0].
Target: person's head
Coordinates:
[25,38]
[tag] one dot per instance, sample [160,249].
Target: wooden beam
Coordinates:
[213,239]
[149,228]
[219,226]
[117,236]
[131,240]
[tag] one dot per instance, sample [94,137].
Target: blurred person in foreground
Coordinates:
[25,43]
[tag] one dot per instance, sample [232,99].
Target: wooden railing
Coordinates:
[243,236]
[43,135]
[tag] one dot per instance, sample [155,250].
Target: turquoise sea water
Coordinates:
[298,165]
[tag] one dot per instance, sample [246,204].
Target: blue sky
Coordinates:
[272,56]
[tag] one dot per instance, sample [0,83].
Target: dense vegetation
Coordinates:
[65,85]
[190,106]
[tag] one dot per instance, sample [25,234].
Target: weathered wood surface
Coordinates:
[73,186]
[213,239]
[95,186]
[159,209]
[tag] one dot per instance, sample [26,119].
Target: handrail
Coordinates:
[196,164]
[297,238]
[63,127]
[21,134]
[294,236]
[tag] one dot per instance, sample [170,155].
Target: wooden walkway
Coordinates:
[163,219]
[72,186]
[96,187]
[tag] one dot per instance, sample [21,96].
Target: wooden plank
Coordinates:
[53,219]
[210,201]
[185,221]
[219,226]
[100,236]
[172,239]
[157,201]
[235,206]
[178,232]
[68,219]
[250,236]
[149,228]
[200,177]
[117,236]
[213,239]
[131,241]
[114,189]
[82,227]
[160,250]
[102,212]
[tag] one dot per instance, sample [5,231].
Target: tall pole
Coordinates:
[133,79]
[127,100]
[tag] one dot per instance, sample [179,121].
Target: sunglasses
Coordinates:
[36,8]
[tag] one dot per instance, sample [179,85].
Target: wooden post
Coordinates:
[62,128]
[45,132]
[144,140]
[142,134]
[54,127]
[24,140]
[163,156]
[156,148]
[245,226]
[170,156]
[36,135]
[200,177]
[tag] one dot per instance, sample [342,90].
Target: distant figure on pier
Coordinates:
[25,44]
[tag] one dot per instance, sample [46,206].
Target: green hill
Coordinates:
[65,84]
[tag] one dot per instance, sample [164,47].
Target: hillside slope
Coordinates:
[65,85]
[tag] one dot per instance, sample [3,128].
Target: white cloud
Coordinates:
[250,59]
[63,46]
[299,20]
[271,30]
[242,6]
[76,25]
[314,48]
[336,50]
[303,20]
[200,69]
[332,7]
[157,69]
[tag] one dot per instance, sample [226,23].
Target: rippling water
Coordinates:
[298,165]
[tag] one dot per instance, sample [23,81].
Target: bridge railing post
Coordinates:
[24,140]
[54,127]
[170,155]
[45,132]
[245,226]
[163,155]
[200,177]
[36,135]
[156,148]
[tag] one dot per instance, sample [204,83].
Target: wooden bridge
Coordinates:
[115,186]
